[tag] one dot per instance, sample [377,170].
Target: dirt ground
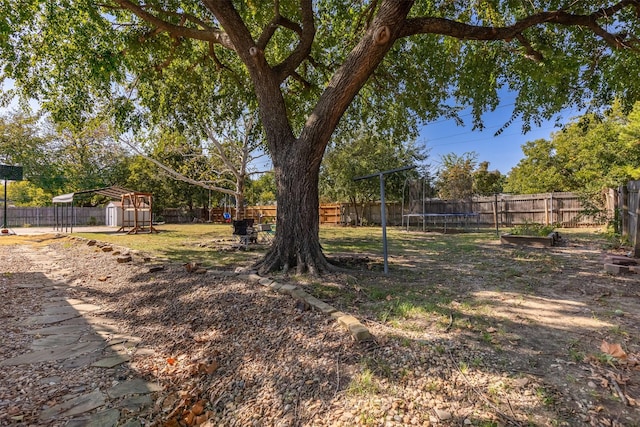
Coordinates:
[516,336]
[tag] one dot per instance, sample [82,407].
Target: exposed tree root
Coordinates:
[313,264]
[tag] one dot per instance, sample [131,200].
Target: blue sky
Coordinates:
[503,152]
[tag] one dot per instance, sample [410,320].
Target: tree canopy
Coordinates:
[312,68]
[593,152]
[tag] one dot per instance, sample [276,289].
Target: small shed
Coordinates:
[113,217]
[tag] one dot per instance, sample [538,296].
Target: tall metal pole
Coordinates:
[383,214]
[4,219]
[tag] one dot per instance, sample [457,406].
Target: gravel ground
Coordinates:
[231,353]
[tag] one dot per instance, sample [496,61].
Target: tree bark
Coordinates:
[296,243]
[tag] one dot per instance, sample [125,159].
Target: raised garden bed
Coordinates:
[550,239]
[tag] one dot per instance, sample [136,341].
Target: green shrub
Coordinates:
[532,229]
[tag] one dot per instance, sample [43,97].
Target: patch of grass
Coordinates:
[495,388]
[618,331]
[575,355]
[204,243]
[546,397]
[487,337]
[363,384]
[378,366]
[477,362]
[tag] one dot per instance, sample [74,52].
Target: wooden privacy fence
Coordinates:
[506,210]
[628,205]
[329,214]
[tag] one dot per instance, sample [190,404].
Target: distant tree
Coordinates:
[538,171]
[184,158]
[486,182]
[24,193]
[223,160]
[261,190]
[23,142]
[630,145]
[88,156]
[364,154]
[455,176]
[594,152]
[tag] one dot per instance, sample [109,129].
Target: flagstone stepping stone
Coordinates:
[75,301]
[59,311]
[76,405]
[50,380]
[49,319]
[54,341]
[81,360]
[135,386]
[108,418]
[145,351]
[56,353]
[62,329]
[63,308]
[136,403]
[110,362]
[119,339]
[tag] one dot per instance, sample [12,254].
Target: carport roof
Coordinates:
[114,192]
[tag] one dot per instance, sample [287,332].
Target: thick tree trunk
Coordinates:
[297,243]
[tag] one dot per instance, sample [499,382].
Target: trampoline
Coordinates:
[458,219]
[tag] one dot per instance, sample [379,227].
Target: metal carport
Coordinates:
[64,217]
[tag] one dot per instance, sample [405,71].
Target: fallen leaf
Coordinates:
[189,419]
[212,367]
[201,419]
[198,409]
[614,350]
[171,361]
[491,330]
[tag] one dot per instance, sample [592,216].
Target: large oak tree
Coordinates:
[307,64]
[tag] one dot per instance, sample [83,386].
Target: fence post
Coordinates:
[495,213]
[546,212]
[636,240]
[624,212]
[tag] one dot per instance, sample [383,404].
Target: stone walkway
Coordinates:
[72,333]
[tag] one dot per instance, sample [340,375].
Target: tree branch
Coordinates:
[221,154]
[208,34]
[447,27]
[175,174]
[307,33]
